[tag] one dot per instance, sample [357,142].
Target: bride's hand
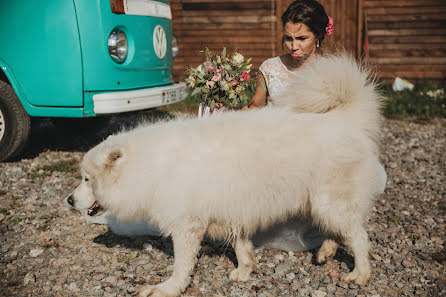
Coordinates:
[219,105]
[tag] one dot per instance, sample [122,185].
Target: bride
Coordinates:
[305,25]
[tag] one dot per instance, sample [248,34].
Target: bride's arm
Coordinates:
[259,98]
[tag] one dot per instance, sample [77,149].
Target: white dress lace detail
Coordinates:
[278,78]
[296,234]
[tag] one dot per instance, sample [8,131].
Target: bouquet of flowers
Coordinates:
[221,79]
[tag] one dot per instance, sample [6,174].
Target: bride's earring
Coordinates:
[317,43]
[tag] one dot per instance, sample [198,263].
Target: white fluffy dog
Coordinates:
[228,175]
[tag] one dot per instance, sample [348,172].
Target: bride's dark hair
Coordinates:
[309,12]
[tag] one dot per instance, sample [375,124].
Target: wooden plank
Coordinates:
[229,39]
[226,33]
[414,16]
[360,28]
[385,11]
[406,39]
[227,13]
[409,32]
[412,75]
[228,19]
[407,25]
[402,3]
[225,26]
[201,44]
[218,1]
[406,46]
[409,53]
[412,67]
[247,51]
[228,5]
[277,32]
[409,60]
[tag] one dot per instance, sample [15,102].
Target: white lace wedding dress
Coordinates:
[297,234]
[277,76]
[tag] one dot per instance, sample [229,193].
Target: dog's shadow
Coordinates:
[208,247]
[164,244]
[69,134]
[111,240]
[341,256]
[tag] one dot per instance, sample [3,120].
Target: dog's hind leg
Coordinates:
[327,250]
[245,257]
[349,227]
[186,244]
[358,240]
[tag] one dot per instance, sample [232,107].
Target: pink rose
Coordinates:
[234,82]
[216,77]
[199,67]
[245,76]
[330,27]
[210,84]
[209,67]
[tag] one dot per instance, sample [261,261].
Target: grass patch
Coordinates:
[4,211]
[16,220]
[129,258]
[36,174]
[49,217]
[62,166]
[427,100]
[43,227]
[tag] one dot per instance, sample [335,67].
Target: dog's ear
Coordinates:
[114,157]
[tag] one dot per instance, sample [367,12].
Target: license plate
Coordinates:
[172,95]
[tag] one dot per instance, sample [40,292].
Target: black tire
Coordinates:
[15,123]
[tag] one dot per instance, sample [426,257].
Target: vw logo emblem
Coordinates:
[159,42]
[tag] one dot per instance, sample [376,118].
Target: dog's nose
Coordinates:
[70,200]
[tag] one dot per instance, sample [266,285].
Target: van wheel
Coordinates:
[15,123]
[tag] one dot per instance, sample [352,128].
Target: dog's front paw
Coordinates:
[361,279]
[152,291]
[239,275]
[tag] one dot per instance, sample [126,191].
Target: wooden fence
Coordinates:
[407,37]
[246,25]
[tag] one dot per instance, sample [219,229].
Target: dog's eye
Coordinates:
[86,179]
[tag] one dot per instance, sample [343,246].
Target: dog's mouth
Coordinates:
[95,209]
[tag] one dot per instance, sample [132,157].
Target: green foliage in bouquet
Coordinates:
[221,79]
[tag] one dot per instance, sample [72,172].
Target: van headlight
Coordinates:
[174,47]
[117,46]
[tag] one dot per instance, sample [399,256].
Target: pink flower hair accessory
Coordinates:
[330,27]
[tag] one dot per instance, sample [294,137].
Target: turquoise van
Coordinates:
[80,59]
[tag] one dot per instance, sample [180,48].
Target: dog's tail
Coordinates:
[337,83]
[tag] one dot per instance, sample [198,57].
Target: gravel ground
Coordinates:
[49,250]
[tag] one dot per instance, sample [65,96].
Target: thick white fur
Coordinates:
[230,174]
